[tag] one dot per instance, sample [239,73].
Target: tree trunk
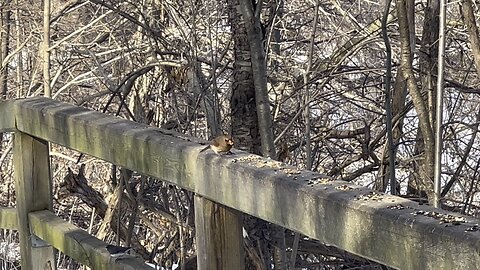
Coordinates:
[399,96]
[421,105]
[46,48]
[251,118]
[251,18]
[244,122]
[428,69]
[19,69]
[4,44]
[473,36]
[243,101]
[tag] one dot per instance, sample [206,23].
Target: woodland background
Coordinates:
[302,81]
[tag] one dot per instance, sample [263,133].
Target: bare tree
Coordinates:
[46,48]
[421,105]
[5,22]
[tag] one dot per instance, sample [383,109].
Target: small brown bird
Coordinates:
[283,153]
[221,144]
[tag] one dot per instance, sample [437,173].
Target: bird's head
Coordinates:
[228,140]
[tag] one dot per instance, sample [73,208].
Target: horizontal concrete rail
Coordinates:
[78,244]
[391,230]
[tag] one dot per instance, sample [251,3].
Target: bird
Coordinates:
[221,144]
[283,153]
[118,252]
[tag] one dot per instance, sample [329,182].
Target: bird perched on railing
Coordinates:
[118,252]
[221,144]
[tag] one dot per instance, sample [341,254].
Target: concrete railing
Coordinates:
[387,229]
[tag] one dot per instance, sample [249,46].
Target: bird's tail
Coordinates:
[206,148]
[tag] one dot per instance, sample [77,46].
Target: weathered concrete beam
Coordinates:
[7,118]
[8,218]
[387,229]
[33,192]
[78,244]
